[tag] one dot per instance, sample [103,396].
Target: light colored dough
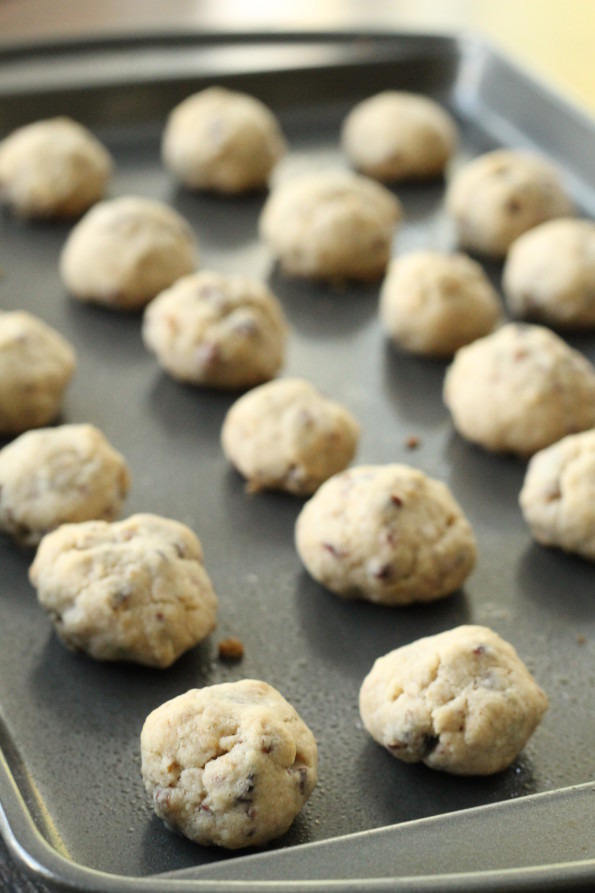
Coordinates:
[230,764]
[286,435]
[53,168]
[433,303]
[461,701]
[52,476]
[217,330]
[386,533]
[125,251]
[222,140]
[519,390]
[133,590]
[36,366]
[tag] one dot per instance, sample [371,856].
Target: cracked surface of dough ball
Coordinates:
[461,701]
[53,168]
[396,135]
[519,390]
[222,140]
[125,251]
[229,764]
[286,435]
[36,366]
[549,274]
[500,195]
[387,534]
[331,225]
[133,590]
[433,303]
[52,476]
[217,330]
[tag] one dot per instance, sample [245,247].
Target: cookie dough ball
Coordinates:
[36,365]
[502,194]
[134,590]
[223,141]
[286,435]
[549,274]
[461,701]
[53,168]
[396,135]
[519,390]
[432,303]
[230,764]
[125,251]
[217,330]
[52,476]
[331,225]
[387,534]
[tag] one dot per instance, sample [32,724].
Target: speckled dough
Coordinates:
[331,225]
[387,534]
[433,303]
[217,330]
[134,590]
[396,135]
[125,251]
[286,435]
[519,390]
[36,365]
[52,476]
[461,701]
[502,194]
[549,274]
[53,168]
[231,764]
[222,140]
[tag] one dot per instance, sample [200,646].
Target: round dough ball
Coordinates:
[222,140]
[134,590]
[549,274]
[387,534]
[286,435]
[331,225]
[432,303]
[229,764]
[502,194]
[125,251]
[36,365]
[52,476]
[519,390]
[461,701]
[53,168]
[396,135]
[217,330]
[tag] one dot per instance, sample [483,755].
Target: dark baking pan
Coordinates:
[73,806]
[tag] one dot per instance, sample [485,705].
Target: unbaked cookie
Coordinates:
[331,225]
[134,590]
[461,701]
[52,476]
[502,194]
[222,140]
[36,365]
[286,435]
[519,390]
[433,303]
[386,533]
[53,168]
[230,764]
[217,330]
[125,251]
[549,274]
[396,135]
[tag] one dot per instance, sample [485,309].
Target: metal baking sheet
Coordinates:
[73,806]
